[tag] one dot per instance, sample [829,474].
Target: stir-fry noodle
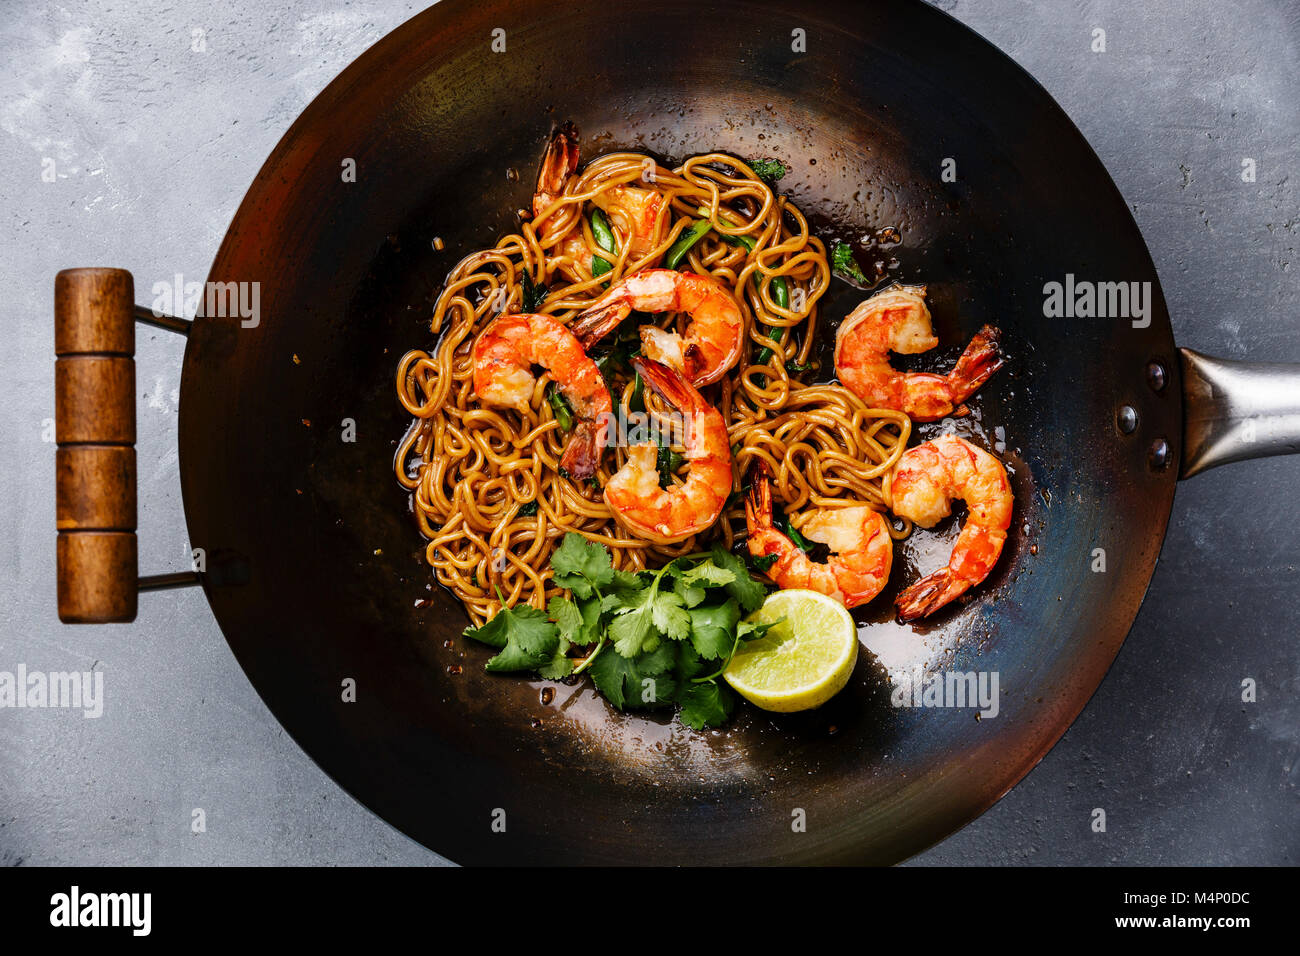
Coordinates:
[487,481]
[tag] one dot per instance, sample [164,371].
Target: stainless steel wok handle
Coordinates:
[1237,410]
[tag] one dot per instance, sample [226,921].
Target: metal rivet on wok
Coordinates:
[1156,376]
[1159,454]
[1127,419]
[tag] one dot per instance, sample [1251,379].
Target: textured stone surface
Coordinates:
[153,145]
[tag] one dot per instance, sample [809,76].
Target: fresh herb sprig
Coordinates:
[769,170]
[653,639]
[844,264]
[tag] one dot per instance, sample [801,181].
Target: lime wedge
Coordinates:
[802,661]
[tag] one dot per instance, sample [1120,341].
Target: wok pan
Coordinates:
[311,561]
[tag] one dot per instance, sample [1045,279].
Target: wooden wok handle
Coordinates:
[94,426]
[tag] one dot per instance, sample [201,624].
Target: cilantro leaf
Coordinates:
[657,662]
[625,581]
[525,637]
[566,615]
[691,581]
[708,573]
[636,682]
[689,664]
[664,637]
[611,674]
[752,631]
[582,566]
[579,626]
[578,621]
[706,704]
[487,634]
[843,263]
[768,170]
[640,619]
[748,592]
[691,594]
[713,628]
[642,615]
[558,667]
[670,617]
[631,632]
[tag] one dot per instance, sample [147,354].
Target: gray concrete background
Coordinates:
[154,144]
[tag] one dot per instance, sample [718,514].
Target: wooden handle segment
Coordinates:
[94,426]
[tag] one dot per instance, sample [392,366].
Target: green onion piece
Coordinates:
[762,358]
[781,292]
[600,229]
[745,241]
[782,521]
[765,355]
[677,251]
[667,462]
[604,237]
[780,288]
[559,408]
[534,293]
[637,402]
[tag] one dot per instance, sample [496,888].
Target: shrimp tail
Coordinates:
[594,324]
[693,361]
[667,383]
[581,455]
[929,594]
[758,501]
[977,364]
[559,163]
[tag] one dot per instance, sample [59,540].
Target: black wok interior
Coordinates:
[316,571]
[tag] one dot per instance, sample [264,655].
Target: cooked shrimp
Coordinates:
[665,515]
[898,320]
[862,551]
[714,334]
[504,355]
[640,214]
[569,253]
[558,164]
[927,479]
